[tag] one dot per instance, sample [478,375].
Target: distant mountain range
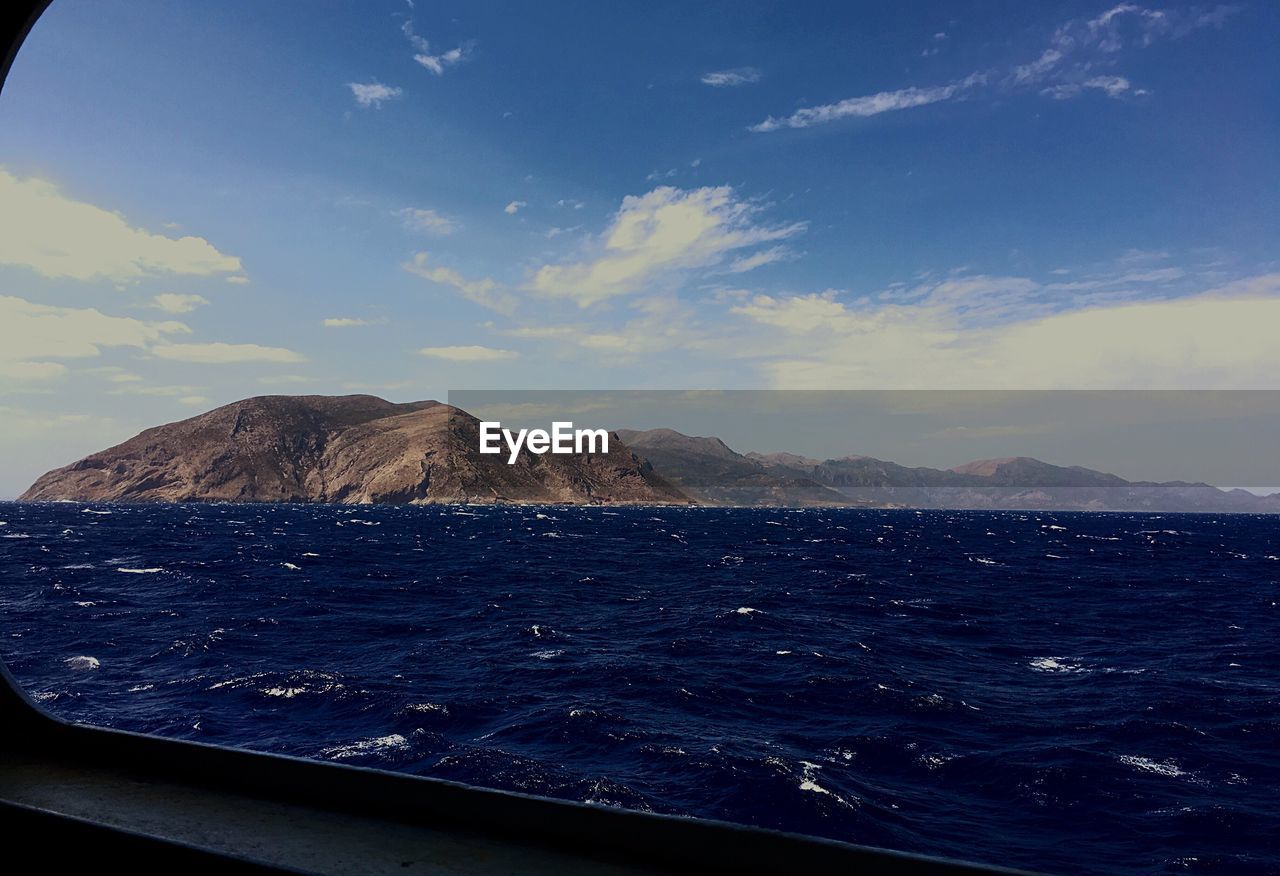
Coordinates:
[709,471]
[359,448]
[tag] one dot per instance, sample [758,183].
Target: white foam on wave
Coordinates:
[428,707]
[150,571]
[548,654]
[310,555]
[16,535]
[91,511]
[808,782]
[391,742]
[1146,764]
[291,566]
[82,662]
[1056,664]
[746,609]
[935,761]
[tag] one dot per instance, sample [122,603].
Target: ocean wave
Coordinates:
[1147,765]
[1057,664]
[377,745]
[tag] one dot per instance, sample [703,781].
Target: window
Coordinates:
[851,422]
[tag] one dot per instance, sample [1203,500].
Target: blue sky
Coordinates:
[203,202]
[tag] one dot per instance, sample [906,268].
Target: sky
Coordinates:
[204,202]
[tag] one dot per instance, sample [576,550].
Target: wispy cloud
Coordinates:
[427,221]
[59,237]
[870,105]
[485,291]
[173,302]
[731,78]
[219,353]
[1112,86]
[31,334]
[373,94]
[350,322]
[666,230]
[436,63]
[769,256]
[514,207]
[1067,67]
[467,354]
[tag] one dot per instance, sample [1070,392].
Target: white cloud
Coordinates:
[24,371]
[759,259]
[1114,86]
[173,302]
[555,231]
[350,322]
[31,331]
[219,353]
[512,208]
[869,105]
[730,78]
[485,292]
[427,221]
[239,280]
[435,63]
[1063,69]
[59,237]
[373,94]
[666,230]
[193,400]
[467,354]
[1217,339]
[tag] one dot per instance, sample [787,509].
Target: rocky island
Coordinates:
[345,449]
[357,449]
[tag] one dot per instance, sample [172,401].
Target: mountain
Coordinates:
[1019,482]
[708,470]
[344,449]
[359,448]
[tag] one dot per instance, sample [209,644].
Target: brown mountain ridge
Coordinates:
[343,449]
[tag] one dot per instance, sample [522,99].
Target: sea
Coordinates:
[1063,692]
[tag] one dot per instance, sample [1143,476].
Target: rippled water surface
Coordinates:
[1068,692]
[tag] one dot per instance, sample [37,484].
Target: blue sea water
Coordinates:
[1065,692]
